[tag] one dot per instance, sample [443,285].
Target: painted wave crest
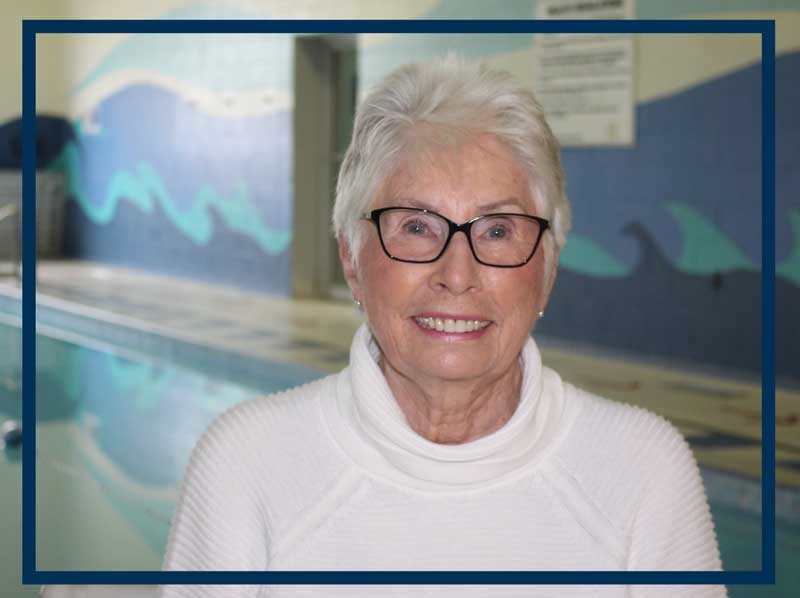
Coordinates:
[154,149]
[143,187]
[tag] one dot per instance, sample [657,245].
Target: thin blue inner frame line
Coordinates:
[28,299]
[30,28]
[439,26]
[768,302]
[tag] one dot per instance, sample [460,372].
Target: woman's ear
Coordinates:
[350,273]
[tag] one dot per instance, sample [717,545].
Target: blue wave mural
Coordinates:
[143,186]
[693,181]
[693,320]
[167,186]
[227,178]
[680,216]
[705,250]
[150,240]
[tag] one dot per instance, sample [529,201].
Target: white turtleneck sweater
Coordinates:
[330,476]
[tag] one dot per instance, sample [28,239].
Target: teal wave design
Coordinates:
[143,186]
[585,256]
[705,250]
[789,268]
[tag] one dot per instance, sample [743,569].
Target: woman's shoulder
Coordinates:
[636,471]
[616,451]
[615,457]
[608,426]
[269,417]
[274,435]
[273,447]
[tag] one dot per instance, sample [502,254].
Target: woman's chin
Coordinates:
[453,366]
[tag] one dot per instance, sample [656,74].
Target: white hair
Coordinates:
[428,106]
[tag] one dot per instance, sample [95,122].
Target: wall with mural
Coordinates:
[178,155]
[181,160]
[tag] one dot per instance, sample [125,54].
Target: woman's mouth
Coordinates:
[451,326]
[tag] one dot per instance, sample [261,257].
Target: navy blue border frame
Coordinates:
[766,575]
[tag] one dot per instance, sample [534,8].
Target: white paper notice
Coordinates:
[585,81]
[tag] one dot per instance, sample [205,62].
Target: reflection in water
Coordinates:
[131,424]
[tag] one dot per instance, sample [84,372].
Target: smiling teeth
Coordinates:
[448,325]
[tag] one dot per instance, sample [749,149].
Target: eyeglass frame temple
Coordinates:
[465,227]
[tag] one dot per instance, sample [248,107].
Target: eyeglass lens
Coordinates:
[502,240]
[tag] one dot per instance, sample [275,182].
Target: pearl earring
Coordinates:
[358,303]
[541,313]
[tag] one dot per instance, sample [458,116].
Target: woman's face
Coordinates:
[478,178]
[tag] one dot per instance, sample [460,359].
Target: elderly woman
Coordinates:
[446,444]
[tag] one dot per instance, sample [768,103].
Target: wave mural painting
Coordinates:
[185,170]
[680,218]
[132,159]
[180,160]
[705,250]
[164,185]
[144,187]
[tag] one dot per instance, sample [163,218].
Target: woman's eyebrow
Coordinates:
[410,202]
[483,209]
[496,205]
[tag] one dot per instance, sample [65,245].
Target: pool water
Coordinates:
[114,434]
[115,431]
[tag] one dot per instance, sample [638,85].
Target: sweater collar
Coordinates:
[389,444]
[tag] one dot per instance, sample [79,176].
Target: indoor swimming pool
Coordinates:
[114,433]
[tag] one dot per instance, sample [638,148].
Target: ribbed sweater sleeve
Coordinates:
[220,523]
[642,483]
[672,529]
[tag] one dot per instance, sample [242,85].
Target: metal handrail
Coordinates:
[8,211]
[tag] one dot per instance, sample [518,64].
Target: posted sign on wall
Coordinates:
[585,81]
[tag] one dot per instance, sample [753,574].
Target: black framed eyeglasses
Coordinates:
[420,236]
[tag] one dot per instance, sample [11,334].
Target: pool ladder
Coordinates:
[7,212]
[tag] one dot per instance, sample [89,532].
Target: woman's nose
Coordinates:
[457,270]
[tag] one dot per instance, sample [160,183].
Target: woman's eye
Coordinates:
[497,232]
[415,228]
